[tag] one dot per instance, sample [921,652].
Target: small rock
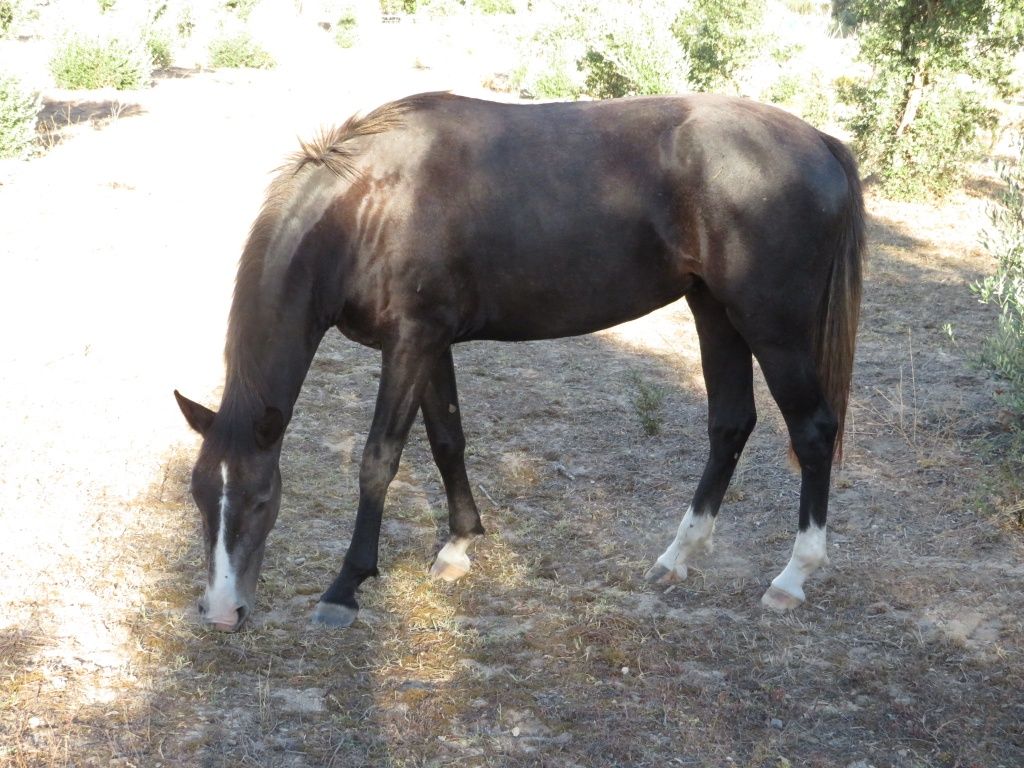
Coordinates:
[776,724]
[515,731]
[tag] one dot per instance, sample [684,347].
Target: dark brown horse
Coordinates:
[438,219]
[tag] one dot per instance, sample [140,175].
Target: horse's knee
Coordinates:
[730,435]
[379,467]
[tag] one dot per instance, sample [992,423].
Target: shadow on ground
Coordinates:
[553,651]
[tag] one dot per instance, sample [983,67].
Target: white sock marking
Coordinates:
[221,592]
[808,554]
[694,533]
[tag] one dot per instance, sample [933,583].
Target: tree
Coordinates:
[912,110]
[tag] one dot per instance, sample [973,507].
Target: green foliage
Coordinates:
[784,90]
[159,46]
[8,13]
[1004,241]
[18,110]
[239,51]
[186,23]
[719,37]
[915,122]
[492,7]
[648,400]
[604,50]
[90,63]
[346,32]
[106,5]
[241,8]
[398,6]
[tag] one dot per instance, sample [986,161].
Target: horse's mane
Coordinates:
[335,149]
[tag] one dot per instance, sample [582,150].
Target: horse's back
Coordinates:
[532,221]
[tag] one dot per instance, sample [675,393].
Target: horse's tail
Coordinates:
[837,333]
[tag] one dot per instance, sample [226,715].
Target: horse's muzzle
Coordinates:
[223,622]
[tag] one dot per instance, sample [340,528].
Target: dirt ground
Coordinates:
[119,246]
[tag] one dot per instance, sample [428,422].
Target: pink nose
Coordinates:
[223,622]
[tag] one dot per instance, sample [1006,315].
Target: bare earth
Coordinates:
[119,247]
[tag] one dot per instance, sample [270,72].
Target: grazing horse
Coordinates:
[439,219]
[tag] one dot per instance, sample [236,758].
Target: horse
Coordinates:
[438,219]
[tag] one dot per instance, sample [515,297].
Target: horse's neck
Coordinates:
[269,356]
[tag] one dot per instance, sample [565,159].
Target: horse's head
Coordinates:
[236,483]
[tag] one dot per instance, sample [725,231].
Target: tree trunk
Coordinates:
[914,94]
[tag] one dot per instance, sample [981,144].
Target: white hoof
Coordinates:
[659,574]
[334,616]
[780,602]
[452,562]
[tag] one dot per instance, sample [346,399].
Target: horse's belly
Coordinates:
[550,311]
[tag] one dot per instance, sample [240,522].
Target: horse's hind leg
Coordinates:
[406,367]
[728,375]
[444,429]
[793,381]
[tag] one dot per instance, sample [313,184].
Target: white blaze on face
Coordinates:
[808,554]
[221,593]
[694,534]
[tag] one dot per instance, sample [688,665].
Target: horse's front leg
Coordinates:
[448,443]
[406,367]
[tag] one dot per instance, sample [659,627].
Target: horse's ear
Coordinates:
[198,417]
[269,428]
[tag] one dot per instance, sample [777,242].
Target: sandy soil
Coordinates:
[120,245]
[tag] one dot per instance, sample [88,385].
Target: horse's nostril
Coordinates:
[201,607]
[242,613]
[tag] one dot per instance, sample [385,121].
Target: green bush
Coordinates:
[242,8]
[398,6]
[239,51]
[87,63]
[1004,241]
[929,158]
[604,50]
[346,32]
[159,47]
[18,110]
[648,400]
[8,13]
[493,7]
[719,37]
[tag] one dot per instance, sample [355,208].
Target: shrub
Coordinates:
[398,6]
[239,51]
[87,63]
[648,400]
[159,47]
[346,33]
[719,38]
[493,7]
[8,13]
[604,50]
[18,110]
[930,156]
[242,8]
[1004,241]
